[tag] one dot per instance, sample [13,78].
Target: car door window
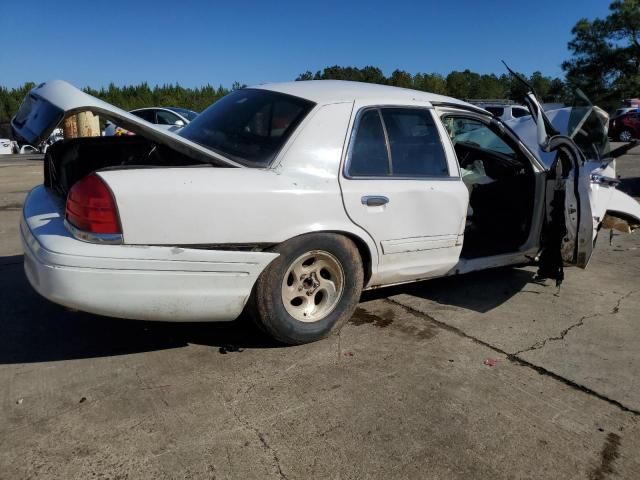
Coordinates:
[369,156]
[414,143]
[397,142]
[166,118]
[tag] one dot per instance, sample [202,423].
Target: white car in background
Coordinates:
[28,150]
[290,199]
[170,118]
[6,146]
[506,112]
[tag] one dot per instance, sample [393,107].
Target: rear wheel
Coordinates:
[310,290]
[625,136]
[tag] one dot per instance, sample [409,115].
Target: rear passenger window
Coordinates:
[369,153]
[416,150]
[397,142]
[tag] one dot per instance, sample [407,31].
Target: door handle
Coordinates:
[374,200]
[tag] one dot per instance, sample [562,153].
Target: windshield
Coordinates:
[188,114]
[248,126]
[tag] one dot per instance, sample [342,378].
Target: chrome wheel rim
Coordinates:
[625,136]
[313,286]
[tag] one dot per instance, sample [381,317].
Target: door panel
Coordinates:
[418,227]
[419,231]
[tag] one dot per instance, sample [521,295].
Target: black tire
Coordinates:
[267,305]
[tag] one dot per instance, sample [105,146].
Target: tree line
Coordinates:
[605,60]
[605,64]
[128,97]
[465,85]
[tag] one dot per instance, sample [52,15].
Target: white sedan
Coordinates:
[290,199]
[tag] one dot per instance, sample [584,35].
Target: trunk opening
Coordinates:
[68,161]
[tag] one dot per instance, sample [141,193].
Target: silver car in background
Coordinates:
[169,118]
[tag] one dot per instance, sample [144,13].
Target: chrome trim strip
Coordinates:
[89,237]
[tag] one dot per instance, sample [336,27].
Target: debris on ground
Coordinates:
[491,362]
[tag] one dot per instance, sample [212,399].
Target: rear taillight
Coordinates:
[91,207]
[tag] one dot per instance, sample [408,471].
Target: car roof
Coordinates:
[179,109]
[331,91]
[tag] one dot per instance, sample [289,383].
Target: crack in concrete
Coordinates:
[265,445]
[540,344]
[616,308]
[514,358]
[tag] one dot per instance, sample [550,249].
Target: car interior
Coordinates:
[501,185]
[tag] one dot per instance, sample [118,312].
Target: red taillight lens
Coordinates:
[91,207]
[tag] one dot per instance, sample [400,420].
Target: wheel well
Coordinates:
[365,254]
[363,249]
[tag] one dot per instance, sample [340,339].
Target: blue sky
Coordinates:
[199,42]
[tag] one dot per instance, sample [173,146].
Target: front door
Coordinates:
[568,237]
[401,184]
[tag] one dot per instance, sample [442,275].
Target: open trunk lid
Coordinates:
[48,104]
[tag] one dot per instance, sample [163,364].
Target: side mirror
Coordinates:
[179,123]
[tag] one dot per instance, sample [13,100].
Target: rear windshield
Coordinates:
[248,126]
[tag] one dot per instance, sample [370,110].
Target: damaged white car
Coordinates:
[290,199]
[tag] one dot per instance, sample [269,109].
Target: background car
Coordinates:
[28,149]
[506,112]
[623,110]
[625,127]
[171,118]
[55,136]
[6,146]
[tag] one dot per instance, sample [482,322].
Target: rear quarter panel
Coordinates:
[205,205]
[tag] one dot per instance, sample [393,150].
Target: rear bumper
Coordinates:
[132,281]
